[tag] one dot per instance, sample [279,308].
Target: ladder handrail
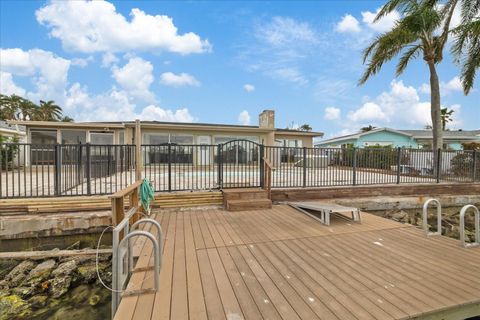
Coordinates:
[425,217]
[463,211]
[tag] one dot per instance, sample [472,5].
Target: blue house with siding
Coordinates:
[401,138]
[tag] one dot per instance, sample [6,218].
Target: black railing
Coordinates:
[29,170]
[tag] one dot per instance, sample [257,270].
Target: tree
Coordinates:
[414,34]
[67,119]
[305,127]
[466,48]
[48,111]
[367,128]
[446,116]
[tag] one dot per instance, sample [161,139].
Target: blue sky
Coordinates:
[218,62]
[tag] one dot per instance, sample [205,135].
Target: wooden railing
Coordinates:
[268,176]
[118,203]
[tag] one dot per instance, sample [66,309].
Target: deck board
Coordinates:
[281,264]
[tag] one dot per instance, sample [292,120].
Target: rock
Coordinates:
[23,291]
[60,285]
[93,299]
[80,294]
[400,216]
[65,268]
[41,272]
[89,272]
[19,273]
[6,266]
[69,312]
[98,295]
[14,307]
[38,301]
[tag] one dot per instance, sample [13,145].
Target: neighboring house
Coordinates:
[11,131]
[401,138]
[158,133]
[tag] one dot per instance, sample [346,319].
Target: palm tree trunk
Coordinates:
[435,107]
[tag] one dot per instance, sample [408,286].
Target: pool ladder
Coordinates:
[463,211]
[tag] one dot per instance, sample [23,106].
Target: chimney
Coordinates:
[266,119]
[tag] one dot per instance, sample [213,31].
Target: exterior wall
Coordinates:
[384,138]
[306,140]
[336,144]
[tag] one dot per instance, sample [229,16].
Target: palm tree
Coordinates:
[27,110]
[446,116]
[466,48]
[367,128]
[414,34]
[305,127]
[49,111]
[7,108]
[67,119]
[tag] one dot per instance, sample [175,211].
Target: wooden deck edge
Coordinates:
[454,313]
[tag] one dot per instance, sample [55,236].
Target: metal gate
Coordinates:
[240,164]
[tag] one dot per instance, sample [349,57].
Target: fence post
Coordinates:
[57,169]
[262,166]
[354,171]
[169,167]
[138,150]
[304,167]
[438,164]
[474,175]
[219,166]
[399,155]
[89,168]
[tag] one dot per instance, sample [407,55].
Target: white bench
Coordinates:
[325,210]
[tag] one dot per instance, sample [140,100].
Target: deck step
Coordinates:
[244,194]
[248,204]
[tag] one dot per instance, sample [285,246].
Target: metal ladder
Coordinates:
[463,211]
[122,257]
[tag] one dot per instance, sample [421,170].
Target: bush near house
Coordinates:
[8,150]
[373,157]
[461,164]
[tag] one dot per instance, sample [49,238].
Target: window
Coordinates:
[179,139]
[73,136]
[155,138]
[101,138]
[42,146]
[44,136]
[121,137]
[225,139]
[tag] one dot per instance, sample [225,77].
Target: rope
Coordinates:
[147,195]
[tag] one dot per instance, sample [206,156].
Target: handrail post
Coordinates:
[169,148]
[89,165]
[138,150]
[476,226]
[304,167]
[474,174]
[425,217]
[57,169]
[354,165]
[219,166]
[262,166]
[399,156]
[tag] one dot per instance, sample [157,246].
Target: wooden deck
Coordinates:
[281,264]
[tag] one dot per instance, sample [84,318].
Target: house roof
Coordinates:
[163,125]
[415,134]
[12,128]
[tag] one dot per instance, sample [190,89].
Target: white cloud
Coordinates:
[399,107]
[282,31]
[385,24]
[290,75]
[136,77]
[115,105]
[368,112]
[48,71]
[244,117]
[152,112]
[108,59]
[8,87]
[348,23]
[454,85]
[178,80]
[96,26]
[332,113]
[249,87]
[82,62]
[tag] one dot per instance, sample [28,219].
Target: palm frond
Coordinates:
[392,5]
[413,52]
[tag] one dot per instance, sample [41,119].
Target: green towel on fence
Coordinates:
[147,195]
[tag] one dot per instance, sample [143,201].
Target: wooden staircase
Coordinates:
[246,199]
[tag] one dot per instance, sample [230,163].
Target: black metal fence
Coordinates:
[29,170]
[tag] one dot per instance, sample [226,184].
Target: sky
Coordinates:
[219,62]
